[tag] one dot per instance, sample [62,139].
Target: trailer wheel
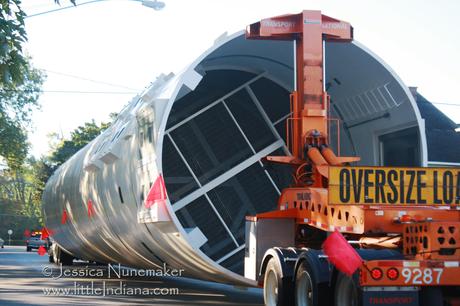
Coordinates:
[275,291]
[50,258]
[62,257]
[65,258]
[346,291]
[55,254]
[306,290]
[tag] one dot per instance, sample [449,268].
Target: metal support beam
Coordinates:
[227,175]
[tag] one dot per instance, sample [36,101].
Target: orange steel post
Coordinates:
[309,105]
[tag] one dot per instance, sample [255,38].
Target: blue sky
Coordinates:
[117,47]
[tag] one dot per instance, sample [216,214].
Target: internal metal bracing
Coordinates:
[242,121]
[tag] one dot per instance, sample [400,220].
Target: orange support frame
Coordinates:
[309,102]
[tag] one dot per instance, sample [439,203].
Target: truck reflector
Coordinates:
[90,208]
[157,193]
[64,217]
[380,185]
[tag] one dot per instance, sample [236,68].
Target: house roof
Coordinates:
[442,141]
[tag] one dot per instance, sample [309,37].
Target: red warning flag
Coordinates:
[157,193]
[90,208]
[341,254]
[41,250]
[64,217]
[45,233]
[27,233]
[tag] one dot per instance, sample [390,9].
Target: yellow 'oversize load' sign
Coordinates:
[379,185]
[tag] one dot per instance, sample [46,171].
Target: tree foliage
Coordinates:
[13,62]
[12,36]
[20,84]
[78,139]
[21,183]
[17,102]
[19,207]
[41,170]
[21,189]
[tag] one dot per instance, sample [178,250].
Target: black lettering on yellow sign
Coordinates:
[447,192]
[392,176]
[421,185]
[436,200]
[394,186]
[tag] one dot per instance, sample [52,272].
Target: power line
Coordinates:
[154,4]
[89,80]
[91,92]
[63,8]
[73,92]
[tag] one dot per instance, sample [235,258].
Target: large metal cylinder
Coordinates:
[204,132]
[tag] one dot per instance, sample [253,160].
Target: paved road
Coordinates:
[24,280]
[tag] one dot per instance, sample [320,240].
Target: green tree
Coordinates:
[13,62]
[12,36]
[19,207]
[21,184]
[20,83]
[78,139]
[41,170]
[17,102]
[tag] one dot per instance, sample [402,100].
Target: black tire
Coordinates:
[346,291]
[65,258]
[55,254]
[62,257]
[277,292]
[306,288]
